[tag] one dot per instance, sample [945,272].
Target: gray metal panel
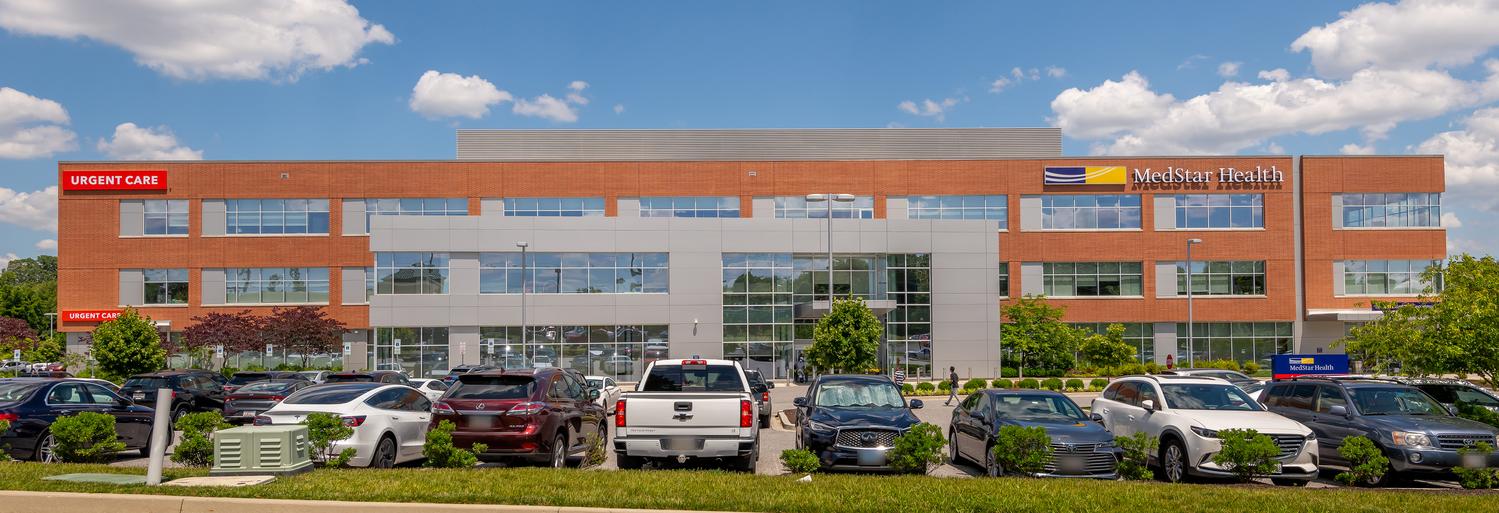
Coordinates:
[132,218]
[358,357]
[1298,274]
[353,217]
[491,206]
[132,287]
[1032,279]
[1339,284]
[1165,279]
[760,144]
[1165,212]
[1165,341]
[627,207]
[897,207]
[765,207]
[1030,213]
[213,217]
[352,280]
[213,286]
[1337,211]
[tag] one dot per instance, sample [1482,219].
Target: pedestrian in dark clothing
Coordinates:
[953,377]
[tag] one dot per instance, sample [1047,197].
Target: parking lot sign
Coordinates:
[348,348]
[270,350]
[218,351]
[396,346]
[16,355]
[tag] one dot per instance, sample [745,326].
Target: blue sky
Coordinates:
[316,79]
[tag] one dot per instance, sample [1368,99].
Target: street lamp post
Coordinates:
[829,198]
[1191,353]
[524,279]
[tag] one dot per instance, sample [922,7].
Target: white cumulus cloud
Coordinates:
[46,244]
[930,108]
[1472,158]
[32,127]
[209,39]
[547,107]
[438,95]
[1450,220]
[1229,69]
[619,108]
[1109,109]
[1056,71]
[133,142]
[1357,149]
[1275,75]
[32,210]
[1411,34]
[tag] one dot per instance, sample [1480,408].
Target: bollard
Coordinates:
[161,433]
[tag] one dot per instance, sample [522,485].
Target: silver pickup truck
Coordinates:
[688,409]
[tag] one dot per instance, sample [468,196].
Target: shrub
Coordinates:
[800,461]
[441,453]
[195,449]
[1481,478]
[4,456]
[1247,453]
[907,389]
[1365,461]
[1153,368]
[1250,367]
[925,387]
[1002,383]
[1074,384]
[1052,384]
[974,385]
[1137,450]
[87,437]
[918,449]
[323,429]
[1098,383]
[944,385]
[598,451]
[1030,384]
[1472,411]
[1008,372]
[1023,450]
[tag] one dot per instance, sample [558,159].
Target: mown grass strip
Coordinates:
[721,491]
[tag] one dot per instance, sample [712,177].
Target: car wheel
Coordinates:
[1288,482]
[178,414]
[953,454]
[385,453]
[625,462]
[46,449]
[559,453]
[991,467]
[765,422]
[747,463]
[1173,462]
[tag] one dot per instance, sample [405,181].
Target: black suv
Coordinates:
[379,376]
[851,422]
[1416,432]
[192,391]
[1452,391]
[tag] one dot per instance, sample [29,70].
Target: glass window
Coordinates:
[1329,397]
[991,207]
[275,216]
[493,387]
[689,206]
[413,207]
[1087,279]
[67,393]
[1090,212]
[1395,401]
[276,285]
[420,352]
[411,273]
[1004,279]
[1392,210]
[704,378]
[1238,341]
[574,273]
[165,286]
[166,217]
[1388,277]
[858,394]
[1219,211]
[554,207]
[1238,278]
[1207,397]
[797,207]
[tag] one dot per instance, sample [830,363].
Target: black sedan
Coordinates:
[249,400]
[1080,447]
[851,422]
[31,404]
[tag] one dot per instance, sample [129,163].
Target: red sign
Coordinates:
[89,315]
[134,180]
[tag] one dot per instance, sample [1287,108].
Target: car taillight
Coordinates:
[764,397]
[442,407]
[694,362]
[746,413]
[529,408]
[277,398]
[262,420]
[9,417]
[619,413]
[354,420]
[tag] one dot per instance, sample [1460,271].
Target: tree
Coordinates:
[29,302]
[15,334]
[1107,349]
[304,329]
[237,332]
[30,271]
[128,345]
[847,338]
[1394,344]
[1035,332]
[48,349]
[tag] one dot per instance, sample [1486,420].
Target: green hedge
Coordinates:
[1003,383]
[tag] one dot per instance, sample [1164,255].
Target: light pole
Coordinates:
[1191,353]
[829,198]
[523,281]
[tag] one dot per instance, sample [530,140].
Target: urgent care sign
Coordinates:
[89,315]
[123,180]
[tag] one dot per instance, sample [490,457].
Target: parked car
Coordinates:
[609,391]
[31,404]
[377,376]
[619,365]
[542,415]
[34,372]
[191,391]
[432,388]
[1187,412]
[1452,391]
[103,383]
[389,420]
[1413,429]
[247,401]
[14,366]
[694,408]
[1080,447]
[1239,379]
[240,379]
[760,389]
[316,376]
[460,370]
[851,421]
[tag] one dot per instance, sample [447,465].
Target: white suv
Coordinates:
[1187,412]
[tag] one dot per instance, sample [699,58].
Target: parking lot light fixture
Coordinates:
[523,279]
[1191,354]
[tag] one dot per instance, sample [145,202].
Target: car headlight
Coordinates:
[820,427]
[1408,439]
[1205,432]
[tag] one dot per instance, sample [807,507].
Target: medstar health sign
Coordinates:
[1171,176]
[1085,175]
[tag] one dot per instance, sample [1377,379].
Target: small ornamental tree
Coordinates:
[847,339]
[441,453]
[237,332]
[48,349]
[1107,349]
[128,345]
[323,429]
[15,334]
[304,329]
[1034,333]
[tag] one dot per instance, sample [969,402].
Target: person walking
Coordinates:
[952,375]
[900,377]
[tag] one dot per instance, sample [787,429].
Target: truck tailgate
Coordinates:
[701,413]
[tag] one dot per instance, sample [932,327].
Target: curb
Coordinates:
[17,501]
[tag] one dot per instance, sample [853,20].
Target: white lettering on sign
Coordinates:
[114,180]
[1173,175]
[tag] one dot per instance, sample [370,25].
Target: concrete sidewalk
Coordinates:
[50,502]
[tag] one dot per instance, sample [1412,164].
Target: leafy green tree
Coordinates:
[1107,349]
[128,345]
[1034,333]
[30,271]
[30,302]
[48,349]
[847,338]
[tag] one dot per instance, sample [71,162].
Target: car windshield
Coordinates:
[1452,394]
[350,378]
[1037,408]
[328,394]
[1394,401]
[267,386]
[706,378]
[11,392]
[859,395]
[1207,396]
[470,386]
[596,383]
[243,378]
[145,383]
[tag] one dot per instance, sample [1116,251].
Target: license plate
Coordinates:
[1475,461]
[1071,465]
[682,444]
[139,396]
[248,413]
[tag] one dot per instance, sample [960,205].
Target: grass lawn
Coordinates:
[705,490]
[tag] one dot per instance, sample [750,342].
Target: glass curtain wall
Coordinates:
[908,328]
[1238,341]
[421,352]
[621,352]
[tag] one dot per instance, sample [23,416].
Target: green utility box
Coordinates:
[261,450]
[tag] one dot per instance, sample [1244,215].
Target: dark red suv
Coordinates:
[541,415]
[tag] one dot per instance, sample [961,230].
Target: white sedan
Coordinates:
[389,421]
[608,391]
[432,388]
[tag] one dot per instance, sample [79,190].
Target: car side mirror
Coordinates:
[916,404]
[593,394]
[1096,418]
[1148,404]
[800,402]
[770,384]
[1338,410]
